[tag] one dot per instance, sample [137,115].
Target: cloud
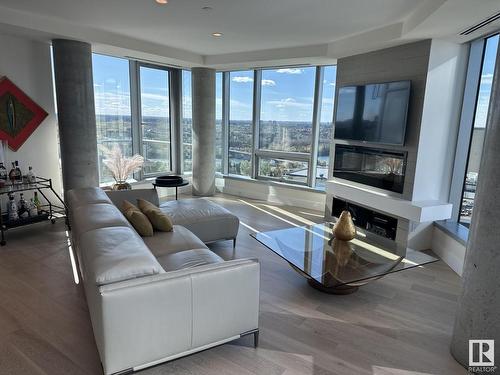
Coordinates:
[487,79]
[268,82]
[240,79]
[290,103]
[289,71]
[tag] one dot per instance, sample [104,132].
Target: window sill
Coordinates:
[455,230]
[274,183]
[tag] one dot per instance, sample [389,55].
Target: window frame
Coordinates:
[176,117]
[466,126]
[310,158]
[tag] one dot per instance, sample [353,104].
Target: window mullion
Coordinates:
[257,90]
[225,122]
[175,116]
[318,94]
[135,114]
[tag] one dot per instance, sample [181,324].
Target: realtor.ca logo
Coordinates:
[482,356]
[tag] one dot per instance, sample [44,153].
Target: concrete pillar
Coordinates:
[203,93]
[478,315]
[76,113]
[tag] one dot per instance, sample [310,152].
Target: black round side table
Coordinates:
[170,181]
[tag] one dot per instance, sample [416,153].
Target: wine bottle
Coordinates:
[32,209]
[12,174]
[37,203]
[31,177]
[3,172]
[22,206]
[19,175]
[12,208]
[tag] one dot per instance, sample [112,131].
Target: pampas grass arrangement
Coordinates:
[121,167]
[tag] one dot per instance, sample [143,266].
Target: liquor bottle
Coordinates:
[19,175]
[12,208]
[32,209]
[3,172]
[31,176]
[22,206]
[12,174]
[37,203]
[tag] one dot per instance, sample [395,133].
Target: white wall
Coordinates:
[440,120]
[28,65]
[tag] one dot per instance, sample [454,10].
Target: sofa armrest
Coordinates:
[150,318]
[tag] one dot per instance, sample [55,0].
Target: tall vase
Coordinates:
[344,228]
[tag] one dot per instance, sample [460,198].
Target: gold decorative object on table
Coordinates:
[344,228]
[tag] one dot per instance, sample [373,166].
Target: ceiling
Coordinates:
[257,32]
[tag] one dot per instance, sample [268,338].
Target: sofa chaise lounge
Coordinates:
[155,299]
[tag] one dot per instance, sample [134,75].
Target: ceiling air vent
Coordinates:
[481,24]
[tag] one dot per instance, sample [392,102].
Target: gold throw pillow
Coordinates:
[139,221]
[156,216]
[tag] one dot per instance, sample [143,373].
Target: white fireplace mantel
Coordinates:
[416,211]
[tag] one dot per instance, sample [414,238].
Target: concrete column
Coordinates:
[478,315]
[76,113]
[203,93]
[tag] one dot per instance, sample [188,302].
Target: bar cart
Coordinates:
[51,210]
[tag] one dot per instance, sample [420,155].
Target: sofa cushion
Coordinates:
[118,196]
[188,259]
[116,254]
[86,196]
[207,220]
[157,217]
[139,221]
[179,239]
[94,216]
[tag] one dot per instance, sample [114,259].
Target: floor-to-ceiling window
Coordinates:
[219,144]
[285,128]
[273,124]
[325,125]
[478,128]
[155,119]
[112,107]
[277,123]
[187,122]
[240,122]
[145,130]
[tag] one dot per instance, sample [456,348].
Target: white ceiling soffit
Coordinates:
[292,40]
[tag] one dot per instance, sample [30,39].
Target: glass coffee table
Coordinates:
[340,267]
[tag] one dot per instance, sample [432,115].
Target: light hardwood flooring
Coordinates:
[400,324]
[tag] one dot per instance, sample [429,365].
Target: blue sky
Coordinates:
[287,94]
[486,81]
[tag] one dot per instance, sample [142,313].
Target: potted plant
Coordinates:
[121,167]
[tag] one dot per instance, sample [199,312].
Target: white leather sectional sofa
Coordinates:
[157,298]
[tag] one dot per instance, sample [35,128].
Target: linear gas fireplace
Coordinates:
[384,169]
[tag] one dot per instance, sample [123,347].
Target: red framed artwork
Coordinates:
[19,115]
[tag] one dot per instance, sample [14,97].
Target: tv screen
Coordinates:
[373,113]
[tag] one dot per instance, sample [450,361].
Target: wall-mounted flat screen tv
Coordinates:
[373,113]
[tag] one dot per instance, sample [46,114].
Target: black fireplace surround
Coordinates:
[384,169]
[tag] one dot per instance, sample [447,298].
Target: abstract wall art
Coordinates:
[19,115]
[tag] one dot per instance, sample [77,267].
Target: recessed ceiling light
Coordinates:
[207,8]
[162,2]
[217,35]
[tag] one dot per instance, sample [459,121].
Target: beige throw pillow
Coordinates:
[139,221]
[156,216]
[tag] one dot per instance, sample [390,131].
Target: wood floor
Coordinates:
[400,324]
